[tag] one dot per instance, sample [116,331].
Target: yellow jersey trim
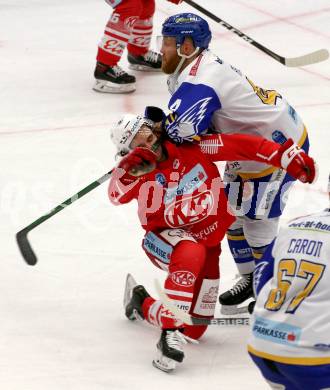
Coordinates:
[257,255]
[305,361]
[268,171]
[235,238]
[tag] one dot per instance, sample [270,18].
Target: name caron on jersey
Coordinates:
[306,247]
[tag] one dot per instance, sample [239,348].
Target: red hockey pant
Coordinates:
[192,281]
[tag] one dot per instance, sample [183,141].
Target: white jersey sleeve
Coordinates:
[291,319]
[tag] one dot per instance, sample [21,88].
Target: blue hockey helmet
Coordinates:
[190,25]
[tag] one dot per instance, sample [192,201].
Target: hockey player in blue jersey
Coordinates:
[209,95]
[290,331]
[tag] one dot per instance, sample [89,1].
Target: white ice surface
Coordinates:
[62,324]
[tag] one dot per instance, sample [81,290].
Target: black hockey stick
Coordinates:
[190,320]
[307,59]
[21,237]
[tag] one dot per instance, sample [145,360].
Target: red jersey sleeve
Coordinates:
[120,190]
[232,147]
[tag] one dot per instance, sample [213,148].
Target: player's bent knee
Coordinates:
[188,255]
[194,331]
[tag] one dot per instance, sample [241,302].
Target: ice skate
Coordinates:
[133,299]
[151,61]
[113,79]
[169,350]
[238,294]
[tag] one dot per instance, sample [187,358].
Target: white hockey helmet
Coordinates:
[126,129]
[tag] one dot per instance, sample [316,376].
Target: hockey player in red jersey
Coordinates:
[130,25]
[183,208]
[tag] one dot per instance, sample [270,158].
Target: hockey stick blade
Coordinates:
[307,59]
[21,237]
[190,320]
[25,247]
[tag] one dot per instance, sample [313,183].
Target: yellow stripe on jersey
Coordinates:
[170,119]
[306,361]
[268,171]
[303,137]
[251,175]
[257,255]
[235,238]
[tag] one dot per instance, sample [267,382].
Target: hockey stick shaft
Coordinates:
[21,237]
[190,320]
[307,59]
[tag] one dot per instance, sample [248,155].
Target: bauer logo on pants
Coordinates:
[183,278]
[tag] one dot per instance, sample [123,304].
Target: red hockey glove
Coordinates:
[137,163]
[296,162]
[175,1]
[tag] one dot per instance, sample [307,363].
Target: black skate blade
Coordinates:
[129,285]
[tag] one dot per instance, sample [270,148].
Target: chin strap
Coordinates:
[174,76]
